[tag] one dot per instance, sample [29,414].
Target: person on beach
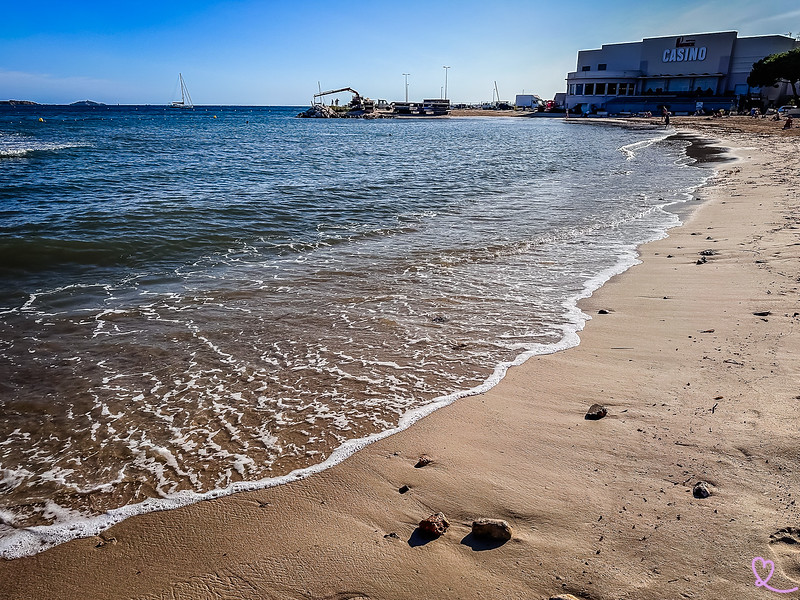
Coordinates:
[788,124]
[666,118]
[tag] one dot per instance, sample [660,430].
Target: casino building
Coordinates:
[686,73]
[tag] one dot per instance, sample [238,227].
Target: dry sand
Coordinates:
[698,387]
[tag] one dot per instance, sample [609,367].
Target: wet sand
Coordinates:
[694,352]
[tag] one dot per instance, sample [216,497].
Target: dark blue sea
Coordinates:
[196,302]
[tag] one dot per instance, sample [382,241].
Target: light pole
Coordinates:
[406,76]
[445,82]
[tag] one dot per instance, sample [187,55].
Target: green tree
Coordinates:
[776,68]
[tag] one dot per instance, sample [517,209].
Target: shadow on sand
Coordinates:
[478,545]
[418,539]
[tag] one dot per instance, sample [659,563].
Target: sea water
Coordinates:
[196,302]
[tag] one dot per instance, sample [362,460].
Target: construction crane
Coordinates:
[356,95]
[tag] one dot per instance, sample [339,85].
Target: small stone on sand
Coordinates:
[494,529]
[423,461]
[434,526]
[595,412]
[701,490]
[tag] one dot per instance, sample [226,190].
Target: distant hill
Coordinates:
[87,103]
[19,103]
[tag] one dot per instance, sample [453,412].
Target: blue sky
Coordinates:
[276,53]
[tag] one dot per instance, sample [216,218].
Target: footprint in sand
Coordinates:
[785,545]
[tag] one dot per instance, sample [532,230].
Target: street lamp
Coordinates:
[406,76]
[445,82]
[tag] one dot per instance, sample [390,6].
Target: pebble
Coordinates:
[494,529]
[423,461]
[595,412]
[701,490]
[434,526]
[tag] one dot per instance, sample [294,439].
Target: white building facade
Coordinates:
[686,73]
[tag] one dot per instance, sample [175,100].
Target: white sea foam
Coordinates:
[21,147]
[630,150]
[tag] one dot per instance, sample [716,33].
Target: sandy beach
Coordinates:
[694,352]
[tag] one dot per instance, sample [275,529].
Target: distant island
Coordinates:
[32,103]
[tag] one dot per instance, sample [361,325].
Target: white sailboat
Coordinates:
[186,99]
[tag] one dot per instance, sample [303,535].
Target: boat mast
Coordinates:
[184,92]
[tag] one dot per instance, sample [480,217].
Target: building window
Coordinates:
[586,68]
[571,89]
[600,89]
[679,84]
[601,67]
[612,89]
[708,85]
[588,89]
[579,89]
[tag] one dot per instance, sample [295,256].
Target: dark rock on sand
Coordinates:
[434,526]
[403,489]
[595,412]
[492,529]
[762,313]
[787,535]
[708,253]
[423,461]
[603,311]
[701,490]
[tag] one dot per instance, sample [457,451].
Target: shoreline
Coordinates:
[42,538]
[493,468]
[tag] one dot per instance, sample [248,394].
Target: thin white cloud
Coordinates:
[20,77]
[44,87]
[780,19]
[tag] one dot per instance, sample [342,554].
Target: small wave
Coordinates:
[492,252]
[28,149]
[45,253]
[630,150]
